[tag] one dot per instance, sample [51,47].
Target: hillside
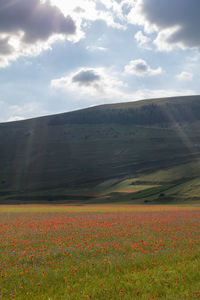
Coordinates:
[103,153]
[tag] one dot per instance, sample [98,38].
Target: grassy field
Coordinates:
[171,185]
[99,252]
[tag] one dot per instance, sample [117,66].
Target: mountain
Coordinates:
[143,151]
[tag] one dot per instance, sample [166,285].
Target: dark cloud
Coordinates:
[168,13]
[86,77]
[141,67]
[38,21]
[5,48]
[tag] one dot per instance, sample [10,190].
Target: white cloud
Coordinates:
[176,22]
[118,9]
[90,11]
[19,48]
[15,118]
[96,48]
[185,76]
[139,67]
[20,112]
[28,28]
[161,41]
[137,17]
[93,82]
[141,38]
[98,86]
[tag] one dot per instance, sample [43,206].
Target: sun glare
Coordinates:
[67,6]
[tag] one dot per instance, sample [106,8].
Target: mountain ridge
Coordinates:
[73,153]
[117,105]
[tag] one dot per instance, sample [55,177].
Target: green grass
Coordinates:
[99,252]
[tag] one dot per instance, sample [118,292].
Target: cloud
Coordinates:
[38,21]
[108,11]
[139,67]
[95,82]
[96,48]
[98,86]
[5,48]
[185,76]
[142,39]
[86,77]
[20,112]
[15,118]
[177,22]
[28,27]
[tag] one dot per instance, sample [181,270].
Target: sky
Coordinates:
[61,55]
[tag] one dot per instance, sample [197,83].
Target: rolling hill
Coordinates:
[141,152]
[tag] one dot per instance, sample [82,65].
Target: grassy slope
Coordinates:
[66,157]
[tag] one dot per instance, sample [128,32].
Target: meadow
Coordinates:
[99,252]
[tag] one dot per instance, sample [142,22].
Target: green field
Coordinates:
[99,252]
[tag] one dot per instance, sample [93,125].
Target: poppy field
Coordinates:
[99,252]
